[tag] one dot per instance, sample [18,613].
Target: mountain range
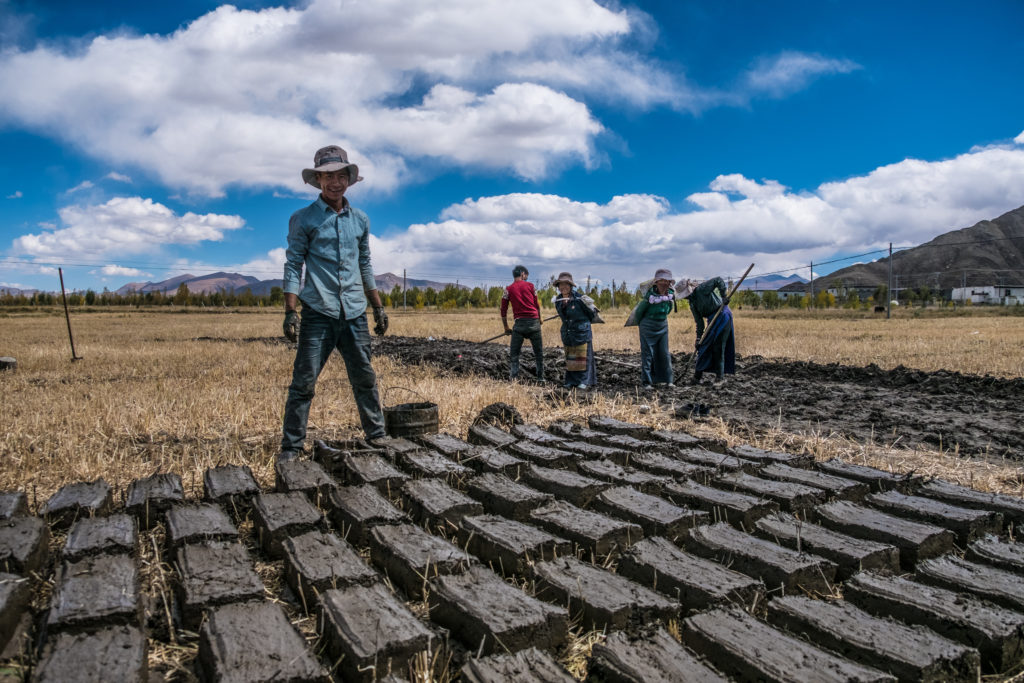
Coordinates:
[990,252]
[236,282]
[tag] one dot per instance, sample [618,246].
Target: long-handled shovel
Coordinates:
[499,336]
[717,313]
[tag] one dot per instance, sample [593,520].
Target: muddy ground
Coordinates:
[979,414]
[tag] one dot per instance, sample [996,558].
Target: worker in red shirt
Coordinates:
[526,310]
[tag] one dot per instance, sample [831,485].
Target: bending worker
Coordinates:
[718,351]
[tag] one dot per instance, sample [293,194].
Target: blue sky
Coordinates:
[141,141]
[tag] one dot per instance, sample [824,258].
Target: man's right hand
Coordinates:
[291,326]
[508,331]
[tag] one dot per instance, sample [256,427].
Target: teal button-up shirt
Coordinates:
[335,249]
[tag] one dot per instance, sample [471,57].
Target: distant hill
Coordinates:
[236,282]
[990,252]
[765,282]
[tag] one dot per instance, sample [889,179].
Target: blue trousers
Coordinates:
[655,360]
[319,335]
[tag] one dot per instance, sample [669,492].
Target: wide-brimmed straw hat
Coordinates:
[328,160]
[685,288]
[564,277]
[664,274]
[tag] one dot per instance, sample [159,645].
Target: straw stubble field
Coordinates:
[184,391]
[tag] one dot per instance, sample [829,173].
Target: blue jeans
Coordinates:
[655,360]
[526,328]
[319,335]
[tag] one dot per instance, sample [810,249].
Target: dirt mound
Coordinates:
[978,414]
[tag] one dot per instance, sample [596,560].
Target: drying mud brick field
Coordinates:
[811,520]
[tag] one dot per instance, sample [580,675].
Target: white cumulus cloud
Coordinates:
[123,225]
[123,271]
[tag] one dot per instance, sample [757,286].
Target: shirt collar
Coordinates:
[326,208]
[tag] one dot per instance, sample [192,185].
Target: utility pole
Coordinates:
[404,283]
[888,291]
[613,293]
[812,284]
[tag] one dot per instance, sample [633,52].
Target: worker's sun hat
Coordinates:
[328,160]
[564,277]
[685,288]
[664,274]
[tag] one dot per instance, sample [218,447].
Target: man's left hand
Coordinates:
[381,320]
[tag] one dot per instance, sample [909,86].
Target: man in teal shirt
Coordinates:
[331,239]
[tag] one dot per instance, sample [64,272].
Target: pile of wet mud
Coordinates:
[942,409]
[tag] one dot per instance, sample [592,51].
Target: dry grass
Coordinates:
[149,397]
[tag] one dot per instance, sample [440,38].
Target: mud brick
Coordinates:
[375,471]
[653,657]
[150,497]
[547,456]
[570,430]
[613,426]
[912,653]
[656,516]
[966,523]
[738,509]
[998,633]
[280,515]
[850,554]
[591,531]
[118,653]
[606,600]
[24,545]
[990,550]
[592,451]
[502,496]
[622,442]
[232,486]
[369,631]
[915,540]
[718,461]
[255,642]
[82,499]
[306,477]
[489,435]
[532,432]
[430,464]
[96,591]
[563,485]
[410,556]
[608,471]
[791,497]
[332,459]
[509,546]
[446,444]
[15,595]
[489,615]
[680,439]
[759,455]
[214,573]
[101,536]
[773,564]
[315,562]
[357,509]
[525,666]
[695,582]
[991,583]
[671,467]
[487,459]
[878,480]
[436,504]
[13,504]
[748,649]
[834,487]
[1011,507]
[396,447]
[195,523]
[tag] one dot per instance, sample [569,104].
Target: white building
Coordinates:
[998,295]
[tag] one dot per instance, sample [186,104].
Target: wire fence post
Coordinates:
[67,315]
[888,288]
[404,287]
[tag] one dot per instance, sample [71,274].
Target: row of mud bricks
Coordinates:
[486,558]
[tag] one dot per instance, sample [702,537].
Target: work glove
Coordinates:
[291,326]
[380,318]
[725,301]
